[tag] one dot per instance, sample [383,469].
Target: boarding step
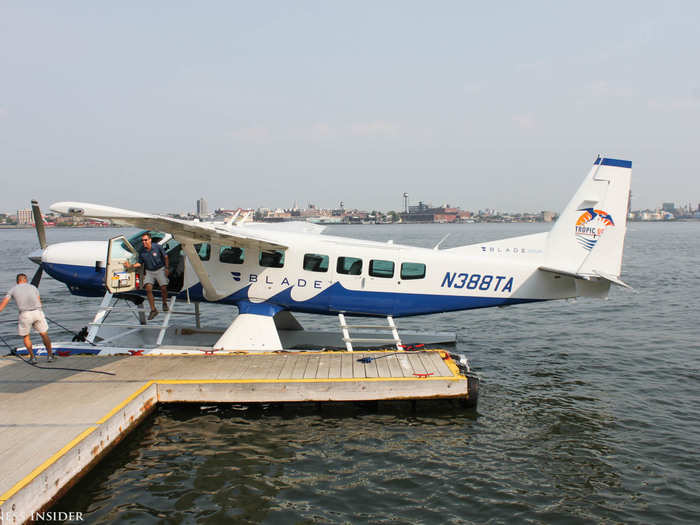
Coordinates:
[138,309]
[345,328]
[108,305]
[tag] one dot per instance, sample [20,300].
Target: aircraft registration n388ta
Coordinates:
[271,271]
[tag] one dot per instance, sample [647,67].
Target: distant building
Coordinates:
[426,213]
[25,217]
[649,215]
[668,206]
[202,209]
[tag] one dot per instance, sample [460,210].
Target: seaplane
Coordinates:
[272,271]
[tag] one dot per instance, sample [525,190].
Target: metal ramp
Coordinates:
[345,328]
[110,304]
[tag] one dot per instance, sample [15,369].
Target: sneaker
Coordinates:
[50,359]
[32,360]
[152,314]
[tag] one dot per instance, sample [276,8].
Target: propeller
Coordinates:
[41,234]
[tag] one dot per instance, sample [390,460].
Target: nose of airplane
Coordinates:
[77,264]
[36,255]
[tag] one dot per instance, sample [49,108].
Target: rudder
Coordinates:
[588,238]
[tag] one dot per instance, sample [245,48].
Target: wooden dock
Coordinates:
[57,424]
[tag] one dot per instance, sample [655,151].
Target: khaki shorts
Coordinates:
[153,276]
[31,319]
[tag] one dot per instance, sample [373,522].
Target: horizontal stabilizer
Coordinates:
[586,277]
[612,279]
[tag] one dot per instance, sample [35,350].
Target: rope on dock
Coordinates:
[78,336]
[403,352]
[14,353]
[12,350]
[64,368]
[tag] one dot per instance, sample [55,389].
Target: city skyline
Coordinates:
[499,106]
[201,210]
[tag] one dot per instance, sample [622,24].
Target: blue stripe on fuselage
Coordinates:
[337,298]
[89,281]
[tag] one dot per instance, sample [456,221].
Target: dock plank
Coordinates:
[371,367]
[347,365]
[334,370]
[148,367]
[241,368]
[260,367]
[406,366]
[394,366]
[416,363]
[428,363]
[383,366]
[286,370]
[358,368]
[275,367]
[311,367]
[442,368]
[299,366]
[324,365]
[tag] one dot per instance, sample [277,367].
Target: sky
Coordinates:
[504,105]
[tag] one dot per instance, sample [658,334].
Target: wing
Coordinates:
[182,230]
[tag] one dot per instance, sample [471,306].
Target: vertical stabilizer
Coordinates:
[588,237]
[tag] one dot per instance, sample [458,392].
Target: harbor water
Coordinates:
[587,413]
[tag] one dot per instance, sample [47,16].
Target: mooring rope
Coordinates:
[14,353]
[370,359]
[78,336]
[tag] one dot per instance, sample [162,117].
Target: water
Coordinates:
[588,413]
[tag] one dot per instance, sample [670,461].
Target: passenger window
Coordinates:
[231,255]
[349,265]
[378,268]
[314,262]
[272,259]
[412,270]
[203,250]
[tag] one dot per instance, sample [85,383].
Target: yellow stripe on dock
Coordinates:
[46,464]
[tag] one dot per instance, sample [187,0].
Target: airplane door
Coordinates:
[362,292]
[384,285]
[348,274]
[117,278]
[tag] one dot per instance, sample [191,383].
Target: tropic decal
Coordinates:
[591,225]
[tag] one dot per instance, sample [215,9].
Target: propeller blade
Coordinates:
[39,224]
[37,276]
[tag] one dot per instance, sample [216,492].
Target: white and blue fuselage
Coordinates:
[390,279]
[263,270]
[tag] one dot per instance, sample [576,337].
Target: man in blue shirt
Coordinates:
[154,259]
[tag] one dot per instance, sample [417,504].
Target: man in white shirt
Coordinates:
[30,314]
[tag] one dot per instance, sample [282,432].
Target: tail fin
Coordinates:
[588,238]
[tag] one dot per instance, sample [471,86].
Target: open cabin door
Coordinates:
[117,278]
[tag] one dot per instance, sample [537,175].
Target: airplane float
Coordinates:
[271,271]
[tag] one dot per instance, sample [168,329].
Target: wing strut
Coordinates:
[210,291]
